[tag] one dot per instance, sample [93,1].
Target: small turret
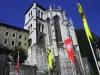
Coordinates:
[50,7]
[64,14]
[59,7]
[54,6]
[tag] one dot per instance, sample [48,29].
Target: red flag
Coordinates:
[17,64]
[69,49]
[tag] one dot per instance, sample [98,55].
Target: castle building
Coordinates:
[48,28]
[11,37]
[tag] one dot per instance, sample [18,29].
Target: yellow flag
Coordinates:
[87,30]
[49,55]
[88,33]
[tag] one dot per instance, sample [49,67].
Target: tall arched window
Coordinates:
[31,28]
[42,15]
[38,13]
[49,30]
[29,42]
[57,31]
[42,41]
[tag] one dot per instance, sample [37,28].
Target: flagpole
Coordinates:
[78,52]
[18,71]
[72,67]
[72,47]
[48,64]
[94,58]
[88,33]
[18,65]
[48,69]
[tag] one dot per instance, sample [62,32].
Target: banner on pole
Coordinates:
[69,49]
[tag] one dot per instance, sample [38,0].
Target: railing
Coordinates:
[23,70]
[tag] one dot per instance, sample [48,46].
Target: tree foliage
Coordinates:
[55,70]
[85,47]
[22,55]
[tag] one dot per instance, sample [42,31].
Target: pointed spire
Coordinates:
[59,7]
[71,20]
[64,15]
[54,6]
[50,7]
[64,12]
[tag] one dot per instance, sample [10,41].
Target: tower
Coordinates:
[48,29]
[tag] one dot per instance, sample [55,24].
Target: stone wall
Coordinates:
[7,32]
[23,70]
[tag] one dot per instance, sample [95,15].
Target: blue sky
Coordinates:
[12,11]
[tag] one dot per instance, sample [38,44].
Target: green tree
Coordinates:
[55,70]
[85,48]
[22,55]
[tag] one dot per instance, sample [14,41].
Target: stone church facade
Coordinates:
[48,28]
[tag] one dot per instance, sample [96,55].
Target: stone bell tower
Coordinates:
[48,29]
